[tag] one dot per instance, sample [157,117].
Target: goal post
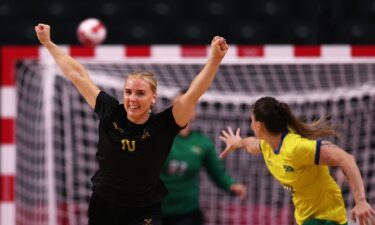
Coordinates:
[56,131]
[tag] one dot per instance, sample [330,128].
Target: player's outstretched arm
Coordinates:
[332,155]
[234,141]
[73,70]
[184,106]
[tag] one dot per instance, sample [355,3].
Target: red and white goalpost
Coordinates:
[12,209]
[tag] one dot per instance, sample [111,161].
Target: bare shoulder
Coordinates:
[328,144]
[331,154]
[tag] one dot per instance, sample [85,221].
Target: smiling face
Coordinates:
[138,99]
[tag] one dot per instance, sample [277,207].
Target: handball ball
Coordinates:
[91,32]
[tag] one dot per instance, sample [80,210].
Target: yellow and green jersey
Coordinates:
[295,164]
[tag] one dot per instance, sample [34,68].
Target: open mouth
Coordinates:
[133,108]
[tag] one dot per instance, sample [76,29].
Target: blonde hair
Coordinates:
[146,76]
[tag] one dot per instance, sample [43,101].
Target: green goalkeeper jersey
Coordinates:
[180,172]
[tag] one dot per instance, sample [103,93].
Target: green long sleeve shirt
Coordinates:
[180,172]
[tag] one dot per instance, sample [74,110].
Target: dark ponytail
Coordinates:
[277,117]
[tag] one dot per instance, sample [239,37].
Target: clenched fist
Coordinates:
[43,33]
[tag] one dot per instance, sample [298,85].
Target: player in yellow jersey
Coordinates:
[299,160]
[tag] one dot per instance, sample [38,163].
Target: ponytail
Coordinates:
[278,117]
[317,129]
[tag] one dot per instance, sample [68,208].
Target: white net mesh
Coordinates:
[31,189]
[344,90]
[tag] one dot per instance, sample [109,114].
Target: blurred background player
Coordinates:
[299,161]
[133,143]
[191,152]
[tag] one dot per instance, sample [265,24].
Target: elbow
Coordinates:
[347,161]
[74,77]
[350,158]
[74,71]
[77,76]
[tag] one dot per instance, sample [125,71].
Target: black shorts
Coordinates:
[102,212]
[193,218]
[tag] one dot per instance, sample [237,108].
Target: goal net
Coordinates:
[57,131]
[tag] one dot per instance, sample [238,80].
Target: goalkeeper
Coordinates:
[191,152]
[299,161]
[133,142]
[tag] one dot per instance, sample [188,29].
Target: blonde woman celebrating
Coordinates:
[133,143]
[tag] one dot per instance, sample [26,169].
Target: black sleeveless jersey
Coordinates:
[130,155]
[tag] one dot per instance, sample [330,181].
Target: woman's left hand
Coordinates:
[363,214]
[219,47]
[239,190]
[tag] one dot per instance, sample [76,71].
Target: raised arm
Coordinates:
[73,70]
[184,106]
[332,155]
[235,141]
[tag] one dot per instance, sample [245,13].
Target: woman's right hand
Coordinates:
[233,141]
[43,33]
